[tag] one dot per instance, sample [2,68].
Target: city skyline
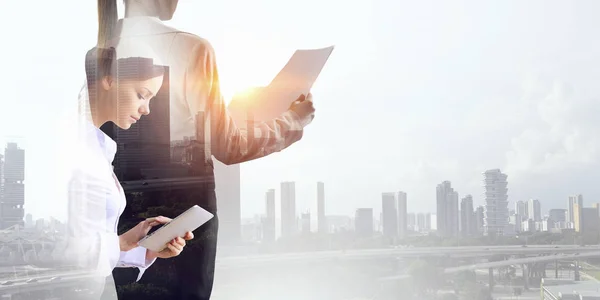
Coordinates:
[515,105]
[249,215]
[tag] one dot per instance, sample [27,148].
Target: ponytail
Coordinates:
[107,21]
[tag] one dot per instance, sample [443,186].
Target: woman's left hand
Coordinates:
[173,248]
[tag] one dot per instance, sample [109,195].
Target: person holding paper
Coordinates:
[194,91]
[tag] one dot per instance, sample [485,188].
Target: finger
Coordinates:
[301,98]
[309,97]
[159,219]
[188,236]
[180,241]
[174,249]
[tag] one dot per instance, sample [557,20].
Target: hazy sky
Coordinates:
[416,92]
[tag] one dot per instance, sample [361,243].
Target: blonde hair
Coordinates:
[107,21]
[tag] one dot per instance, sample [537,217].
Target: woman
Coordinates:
[118,90]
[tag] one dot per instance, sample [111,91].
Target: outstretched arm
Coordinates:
[229,143]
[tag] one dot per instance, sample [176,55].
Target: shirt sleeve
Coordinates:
[135,258]
[229,143]
[91,246]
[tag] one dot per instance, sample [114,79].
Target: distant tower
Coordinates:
[496,202]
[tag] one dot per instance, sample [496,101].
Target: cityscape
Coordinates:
[482,239]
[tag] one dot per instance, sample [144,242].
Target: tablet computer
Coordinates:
[189,220]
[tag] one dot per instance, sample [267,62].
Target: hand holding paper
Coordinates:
[295,79]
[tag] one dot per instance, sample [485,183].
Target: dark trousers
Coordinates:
[195,267]
[188,276]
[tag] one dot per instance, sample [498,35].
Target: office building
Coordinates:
[467,216]
[12,202]
[390,215]
[402,214]
[269,220]
[421,227]
[305,222]
[496,202]
[447,210]
[534,210]
[289,225]
[321,219]
[574,199]
[558,215]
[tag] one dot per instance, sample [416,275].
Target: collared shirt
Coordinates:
[95,201]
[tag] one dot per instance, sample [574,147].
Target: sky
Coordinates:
[415,93]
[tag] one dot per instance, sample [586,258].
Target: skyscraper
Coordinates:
[467,216]
[521,210]
[578,217]
[496,202]
[534,210]
[574,199]
[390,214]
[447,209]
[1,179]
[289,226]
[421,221]
[305,221]
[402,218]
[269,220]
[13,198]
[321,219]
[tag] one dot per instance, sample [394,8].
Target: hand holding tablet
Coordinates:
[189,220]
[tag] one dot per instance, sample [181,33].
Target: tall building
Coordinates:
[574,199]
[590,225]
[305,222]
[558,215]
[421,221]
[228,191]
[13,198]
[1,177]
[479,215]
[390,215]
[269,220]
[447,209]
[578,217]
[467,216]
[534,210]
[521,210]
[363,222]
[428,222]
[496,202]
[411,221]
[289,225]
[402,214]
[321,219]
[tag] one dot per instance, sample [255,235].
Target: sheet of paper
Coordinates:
[297,77]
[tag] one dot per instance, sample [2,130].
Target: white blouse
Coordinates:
[95,202]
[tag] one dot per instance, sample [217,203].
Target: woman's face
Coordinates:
[132,99]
